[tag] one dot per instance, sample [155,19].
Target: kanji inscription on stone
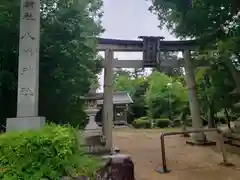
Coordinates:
[28,35]
[29,51]
[25,69]
[28,76]
[29,4]
[26,92]
[28,16]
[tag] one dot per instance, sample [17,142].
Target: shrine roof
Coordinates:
[118,98]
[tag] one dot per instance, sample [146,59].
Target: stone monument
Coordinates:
[28,73]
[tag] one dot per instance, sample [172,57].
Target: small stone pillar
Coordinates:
[92,128]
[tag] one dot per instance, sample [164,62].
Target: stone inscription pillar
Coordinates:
[28,69]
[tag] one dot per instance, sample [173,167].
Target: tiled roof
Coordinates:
[118,98]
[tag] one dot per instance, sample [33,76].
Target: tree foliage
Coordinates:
[165,96]
[133,83]
[155,96]
[216,25]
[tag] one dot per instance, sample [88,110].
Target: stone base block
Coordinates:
[198,137]
[24,123]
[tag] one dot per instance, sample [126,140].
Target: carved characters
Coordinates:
[28,35]
[26,69]
[29,51]
[26,92]
[29,4]
[28,45]
[28,16]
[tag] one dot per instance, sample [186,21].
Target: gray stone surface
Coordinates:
[193,102]
[28,70]
[108,98]
[25,123]
[28,74]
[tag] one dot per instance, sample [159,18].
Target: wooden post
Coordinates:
[108,98]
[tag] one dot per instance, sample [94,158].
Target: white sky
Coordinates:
[128,19]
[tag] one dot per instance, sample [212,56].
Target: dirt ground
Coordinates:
[186,162]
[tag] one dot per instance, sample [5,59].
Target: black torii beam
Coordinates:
[137,45]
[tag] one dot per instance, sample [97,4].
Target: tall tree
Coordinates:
[215,22]
[165,96]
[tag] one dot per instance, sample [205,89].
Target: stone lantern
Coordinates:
[93,133]
[91,110]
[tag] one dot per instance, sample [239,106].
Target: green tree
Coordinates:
[215,84]
[214,22]
[165,96]
[126,81]
[136,85]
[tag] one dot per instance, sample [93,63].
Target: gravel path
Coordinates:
[185,161]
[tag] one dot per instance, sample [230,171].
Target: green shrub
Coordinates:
[142,122]
[162,123]
[51,152]
[176,123]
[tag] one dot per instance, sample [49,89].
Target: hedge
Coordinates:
[142,122]
[50,153]
[162,122]
[145,123]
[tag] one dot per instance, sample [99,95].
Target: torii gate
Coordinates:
[151,48]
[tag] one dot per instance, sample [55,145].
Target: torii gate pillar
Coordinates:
[108,99]
[193,102]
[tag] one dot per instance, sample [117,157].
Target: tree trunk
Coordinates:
[228,119]
[184,124]
[235,75]
[211,118]
[197,123]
